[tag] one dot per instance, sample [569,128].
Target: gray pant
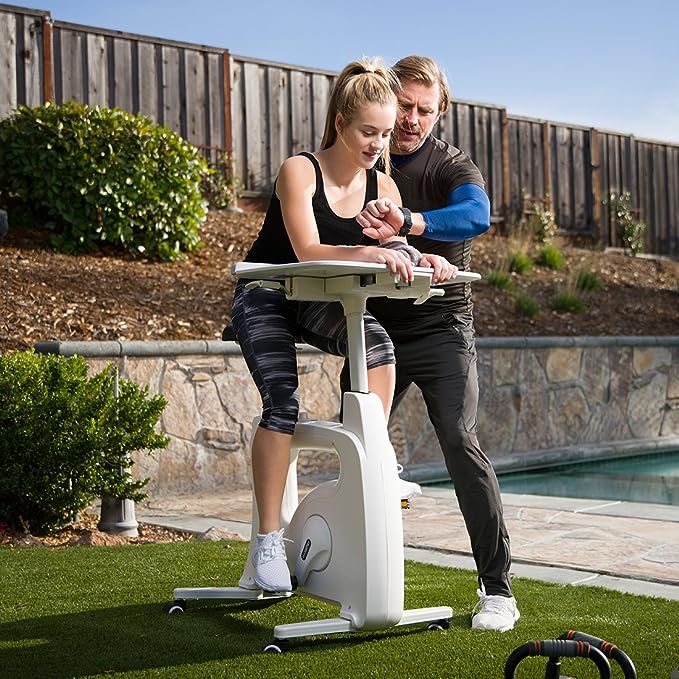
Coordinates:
[438,354]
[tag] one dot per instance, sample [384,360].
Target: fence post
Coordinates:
[506,185]
[47,60]
[547,165]
[595,160]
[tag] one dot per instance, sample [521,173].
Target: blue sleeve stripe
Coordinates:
[467,214]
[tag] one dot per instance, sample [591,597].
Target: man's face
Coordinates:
[417,115]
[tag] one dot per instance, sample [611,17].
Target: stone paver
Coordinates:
[612,544]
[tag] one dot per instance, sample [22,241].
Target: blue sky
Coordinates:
[613,65]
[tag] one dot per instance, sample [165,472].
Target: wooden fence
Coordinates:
[261,112]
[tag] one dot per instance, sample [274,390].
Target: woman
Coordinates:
[311,216]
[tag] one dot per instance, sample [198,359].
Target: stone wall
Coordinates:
[542,400]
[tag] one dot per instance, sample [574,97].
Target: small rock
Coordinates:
[27,540]
[216,534]
[97,538]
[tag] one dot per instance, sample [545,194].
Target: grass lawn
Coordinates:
[98,612]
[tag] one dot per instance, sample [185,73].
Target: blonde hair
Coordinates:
[427,71]
[362,82]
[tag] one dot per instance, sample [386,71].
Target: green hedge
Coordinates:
[66,438]
[97,175]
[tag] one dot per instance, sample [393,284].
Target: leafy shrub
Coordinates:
[568,301]
[540,219]
[630,229]
[499,279]
[66,439]
[527,306]
[550,256]
[520,261]
[586,280]
[220,186]
[97,175]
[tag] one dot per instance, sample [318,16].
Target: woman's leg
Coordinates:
[324,326]
[270,462]
[264,323]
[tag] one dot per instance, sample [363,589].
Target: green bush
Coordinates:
[527,306]
[66,439]
[499,279]
[550,256]
[97,175]
[568,301]
[630,229]
[520,262]
[219,185]
[586,280]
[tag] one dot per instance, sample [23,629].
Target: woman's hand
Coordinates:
[380,219]
[397,262]
[443,269]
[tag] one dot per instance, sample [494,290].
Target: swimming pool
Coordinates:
[641,478]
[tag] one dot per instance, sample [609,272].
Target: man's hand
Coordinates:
[380,219]
[443,269]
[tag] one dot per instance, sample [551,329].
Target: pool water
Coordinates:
[644,478]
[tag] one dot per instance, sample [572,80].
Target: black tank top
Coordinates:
[272,245]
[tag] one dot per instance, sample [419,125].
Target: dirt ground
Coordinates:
[106,296]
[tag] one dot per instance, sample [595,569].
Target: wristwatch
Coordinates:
[407,221]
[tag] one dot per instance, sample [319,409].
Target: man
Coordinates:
[435,341]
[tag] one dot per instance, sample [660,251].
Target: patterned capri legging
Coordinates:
[267,325]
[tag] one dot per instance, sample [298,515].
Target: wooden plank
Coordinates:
[445,128]
[595,183]
[506,182]
[643,203]
[279,119]
[547,170]
[195,97]
[463,127]
[496,152]
[214,106]
[525,162]
[254,121]
[32,36]
[97,70]
[301,136]
[657,233]
[8,65]
[70,74]
[580,173]
[47,60]
[170,91]
[564,180]
[227,120]
[320,88]
[514,162]
[481,150]
[123,82]
[238,120]
[149,77]
[673,201]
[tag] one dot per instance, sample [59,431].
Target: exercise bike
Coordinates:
[346,535]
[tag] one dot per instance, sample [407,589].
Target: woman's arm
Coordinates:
[295,188]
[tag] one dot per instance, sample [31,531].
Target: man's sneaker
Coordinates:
[271,564]
[408,489]
[495,612]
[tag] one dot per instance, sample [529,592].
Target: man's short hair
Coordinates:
[427,71]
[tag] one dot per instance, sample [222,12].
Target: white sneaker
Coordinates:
[408,489]
[495,612]
[271,564]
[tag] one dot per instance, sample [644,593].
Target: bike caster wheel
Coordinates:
[276,646]
[176,607]
[439,624]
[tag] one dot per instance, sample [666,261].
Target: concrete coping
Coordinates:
[551,457]
[116,348]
